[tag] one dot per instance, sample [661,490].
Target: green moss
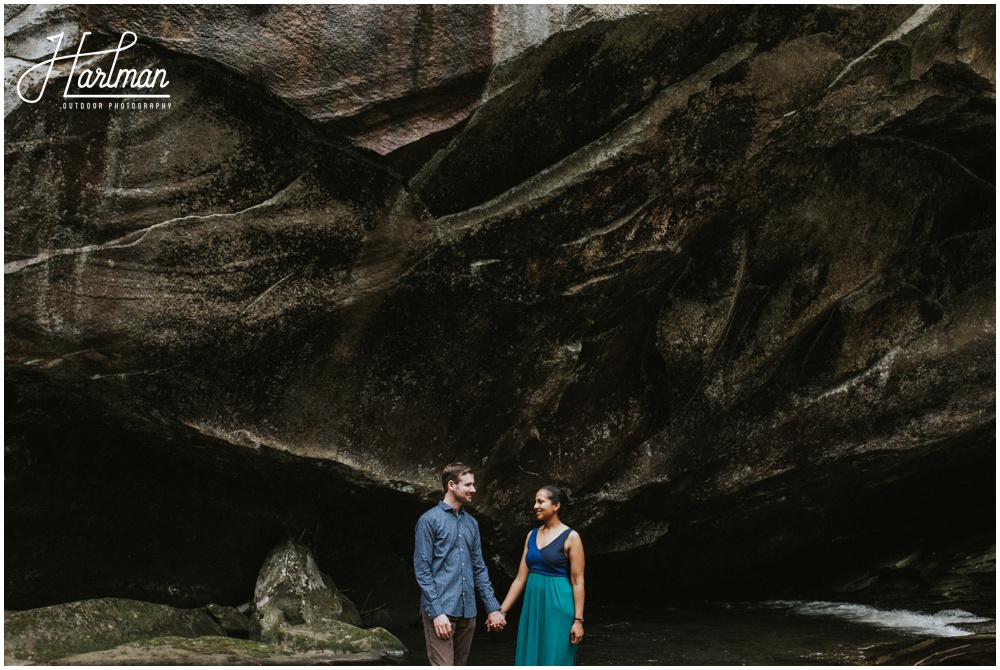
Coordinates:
[50,633]
[117,629]
[338,638]
[211,644]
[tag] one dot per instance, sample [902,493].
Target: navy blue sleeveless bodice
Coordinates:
[551,560]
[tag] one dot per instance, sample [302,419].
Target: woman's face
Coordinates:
[544,509]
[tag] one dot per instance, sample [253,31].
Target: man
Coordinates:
[448,561]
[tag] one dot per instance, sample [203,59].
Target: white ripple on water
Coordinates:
[941,624]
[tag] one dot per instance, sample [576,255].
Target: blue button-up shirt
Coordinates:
[448,561]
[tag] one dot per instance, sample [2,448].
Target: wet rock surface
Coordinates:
[970,650]
[298,618]
[291,591]
[727,273]
[230,651]
[54,632]
[227,651]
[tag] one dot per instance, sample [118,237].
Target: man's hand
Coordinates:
[495,621]
[442,626]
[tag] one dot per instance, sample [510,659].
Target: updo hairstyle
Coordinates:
[560,497]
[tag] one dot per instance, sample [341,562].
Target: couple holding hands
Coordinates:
[448,561]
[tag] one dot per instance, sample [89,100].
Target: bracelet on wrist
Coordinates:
[578,618]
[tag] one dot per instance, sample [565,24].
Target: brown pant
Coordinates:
[454,650]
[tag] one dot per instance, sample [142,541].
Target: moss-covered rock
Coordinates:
[299,610]
[291,590]
[49,633]
[213,650]
[234,620]
[115,631]
[340,638]
[349,612]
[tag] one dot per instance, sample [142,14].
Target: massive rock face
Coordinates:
[725,272]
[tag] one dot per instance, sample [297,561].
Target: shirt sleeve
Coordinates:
[481,575]
[423,551]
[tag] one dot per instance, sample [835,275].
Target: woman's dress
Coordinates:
[547,612]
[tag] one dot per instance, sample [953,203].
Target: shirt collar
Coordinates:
[448,508]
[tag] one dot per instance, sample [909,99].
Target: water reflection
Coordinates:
[774,633]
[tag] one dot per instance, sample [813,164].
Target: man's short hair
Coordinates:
[452,472]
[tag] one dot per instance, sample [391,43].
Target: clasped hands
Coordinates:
[495,621]
[442,624]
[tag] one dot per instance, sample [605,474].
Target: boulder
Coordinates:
[353,650]
[299,618]
[291,590]
[299,609]
[50,633]
[234,620]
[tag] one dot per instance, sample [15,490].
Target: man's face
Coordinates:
[465,487]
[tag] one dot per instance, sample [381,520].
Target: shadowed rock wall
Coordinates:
[727,273]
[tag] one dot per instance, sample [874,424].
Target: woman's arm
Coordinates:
[517,588]
[574,549]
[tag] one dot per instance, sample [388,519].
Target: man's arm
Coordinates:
[481,576]
[423,552]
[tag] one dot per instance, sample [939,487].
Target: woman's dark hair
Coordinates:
[557,495]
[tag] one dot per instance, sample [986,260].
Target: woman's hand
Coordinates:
[576,632]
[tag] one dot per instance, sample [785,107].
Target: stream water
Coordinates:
[771,633]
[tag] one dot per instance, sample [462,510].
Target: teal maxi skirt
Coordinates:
[546,620]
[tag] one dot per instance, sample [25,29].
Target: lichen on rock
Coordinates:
[297,608]
[210,650]
[57,631]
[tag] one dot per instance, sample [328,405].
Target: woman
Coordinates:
[551,578]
